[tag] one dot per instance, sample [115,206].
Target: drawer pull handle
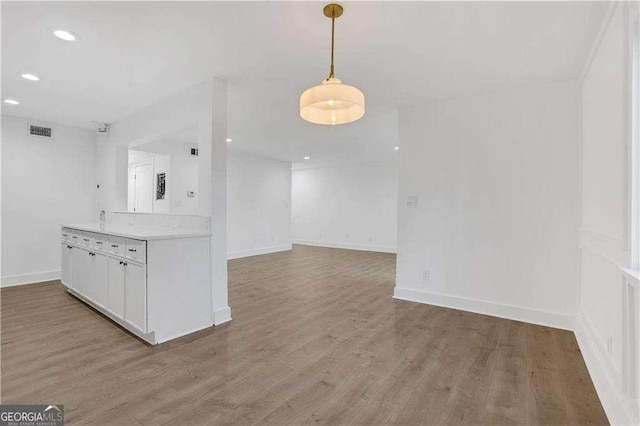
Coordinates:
[134,250]
[69,247]
[98,242]
[74,237]
[114,245]
[65,235]
[91,254]
[121,262]
[85,239]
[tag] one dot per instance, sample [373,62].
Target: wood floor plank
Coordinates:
[315,338]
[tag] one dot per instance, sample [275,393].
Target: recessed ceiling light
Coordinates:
[396,148]
[64,35]
[307,158]
[29,76]
[229,140]
[11,102]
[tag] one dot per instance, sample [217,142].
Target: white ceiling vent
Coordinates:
[37,130]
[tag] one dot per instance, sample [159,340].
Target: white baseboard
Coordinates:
[258,251]
[618,407]
[36,277]
[518,313]
[221,316]
[348,246]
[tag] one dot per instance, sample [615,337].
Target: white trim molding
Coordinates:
[31,278]
[221,316]
[617,406]
[348,246]
[517,313]
[258,251]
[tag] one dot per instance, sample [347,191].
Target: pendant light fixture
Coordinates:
[332,102]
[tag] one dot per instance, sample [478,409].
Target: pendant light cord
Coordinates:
[333,28]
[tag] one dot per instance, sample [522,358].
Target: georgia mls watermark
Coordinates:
[31,415]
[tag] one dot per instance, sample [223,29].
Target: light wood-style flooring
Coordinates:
[315,338]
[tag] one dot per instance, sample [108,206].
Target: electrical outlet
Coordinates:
[426,275]
[412,201]
[610,345]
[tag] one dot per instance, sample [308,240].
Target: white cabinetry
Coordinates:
[115,302]
[99,279]
[66,255]
[158,289]
[135,295]
[77,268]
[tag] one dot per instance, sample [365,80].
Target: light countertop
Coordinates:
[140,233]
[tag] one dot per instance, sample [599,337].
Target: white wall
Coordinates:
[496,225]
[104,160]
[189,108]
[350,206]
[606,222]
[45,183]
[258,202]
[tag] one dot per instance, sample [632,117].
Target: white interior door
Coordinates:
[144,188]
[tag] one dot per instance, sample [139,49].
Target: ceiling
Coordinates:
[131,54]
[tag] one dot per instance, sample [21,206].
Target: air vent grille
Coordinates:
[39,131]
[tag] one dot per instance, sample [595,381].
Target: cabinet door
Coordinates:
[88,285]
[66,254]
[79,264]
[135,296]
[115,301]
[100,280]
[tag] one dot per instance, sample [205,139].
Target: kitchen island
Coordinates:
[156,283]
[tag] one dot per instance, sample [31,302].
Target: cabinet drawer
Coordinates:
[136,250]
[66,235]
[75,237]
[115,246]
[99,242]
[86,240]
